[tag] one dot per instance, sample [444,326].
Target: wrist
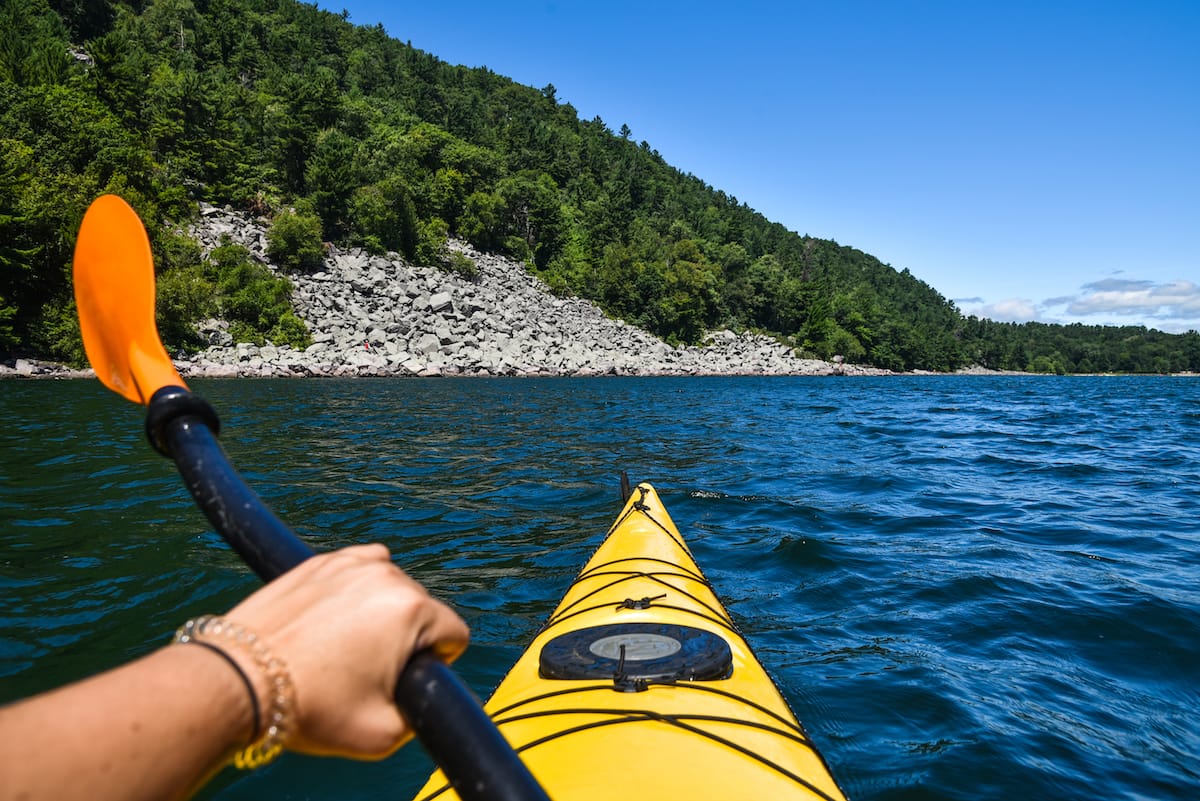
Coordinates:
[268,691]
[202,679]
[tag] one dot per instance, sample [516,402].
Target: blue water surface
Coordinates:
[967,587]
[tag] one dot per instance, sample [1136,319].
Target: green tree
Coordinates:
[183,296]
[256,302]
[482,221]
[33,44]
[533,215]
[86,19]
[331,179]
[431,242]
[16,257]
[384,217]
[294,241]
[687,304]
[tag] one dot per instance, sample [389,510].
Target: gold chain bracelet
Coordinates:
[210,630]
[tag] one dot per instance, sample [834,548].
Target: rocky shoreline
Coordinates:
[375,315]
[381,316]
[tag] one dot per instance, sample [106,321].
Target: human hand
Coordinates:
[346,623]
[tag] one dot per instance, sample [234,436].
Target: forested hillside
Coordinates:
[342,134]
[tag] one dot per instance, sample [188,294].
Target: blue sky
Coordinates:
[1029,160]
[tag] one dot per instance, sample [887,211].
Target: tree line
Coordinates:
[341,133]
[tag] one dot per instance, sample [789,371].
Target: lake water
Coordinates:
[968,587]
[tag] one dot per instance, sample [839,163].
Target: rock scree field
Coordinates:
[379,315]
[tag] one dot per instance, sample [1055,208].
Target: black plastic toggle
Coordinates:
[170,403]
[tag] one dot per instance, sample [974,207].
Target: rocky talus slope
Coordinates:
[381,316]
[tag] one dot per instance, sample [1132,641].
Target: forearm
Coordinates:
[153,729]
[338,629]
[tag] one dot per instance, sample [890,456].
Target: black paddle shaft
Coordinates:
[446,717]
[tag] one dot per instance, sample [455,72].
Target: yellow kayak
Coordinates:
[640,687]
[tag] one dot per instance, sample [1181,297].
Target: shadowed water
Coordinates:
[968,587]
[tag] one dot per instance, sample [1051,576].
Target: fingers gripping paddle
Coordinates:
[114,291]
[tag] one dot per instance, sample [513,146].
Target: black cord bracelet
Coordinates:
[280,698]
[245,680]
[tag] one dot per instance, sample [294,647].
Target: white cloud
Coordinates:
[1173,307]
[1012,310]
[1176,301]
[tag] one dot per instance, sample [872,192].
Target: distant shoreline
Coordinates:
[41,370]
[373,315]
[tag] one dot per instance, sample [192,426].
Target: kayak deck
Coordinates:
[640,686]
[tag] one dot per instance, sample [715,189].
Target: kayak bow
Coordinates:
[640,686]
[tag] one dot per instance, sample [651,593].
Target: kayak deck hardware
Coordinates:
[640,603]
[649,652]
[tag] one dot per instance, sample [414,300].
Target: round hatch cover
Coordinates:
[649,651]
[645,645]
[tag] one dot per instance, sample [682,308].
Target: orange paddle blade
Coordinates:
[114,292]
